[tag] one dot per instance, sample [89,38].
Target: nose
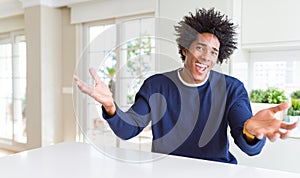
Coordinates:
[205,55]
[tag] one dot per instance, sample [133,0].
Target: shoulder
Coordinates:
[158,82]
[230,83]
[162,77]
[230,80]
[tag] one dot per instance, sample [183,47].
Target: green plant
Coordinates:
[257,96]
[294,110]
[111,72]
[295,95]
[138,52]
[275,96]
[109,68]
[271,95]
[137,49]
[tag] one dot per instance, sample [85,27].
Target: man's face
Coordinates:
[201,57]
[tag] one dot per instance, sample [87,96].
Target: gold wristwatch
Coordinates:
[245,132]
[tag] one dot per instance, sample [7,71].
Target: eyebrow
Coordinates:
[202,44]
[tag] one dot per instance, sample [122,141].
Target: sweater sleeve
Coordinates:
[130,123]
[238,114]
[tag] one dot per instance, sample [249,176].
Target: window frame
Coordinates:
[11,37]
[82,104]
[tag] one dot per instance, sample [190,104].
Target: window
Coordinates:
[269,69]
[269,74]
[136,57]
[275,69]
[13,87]
[123,54]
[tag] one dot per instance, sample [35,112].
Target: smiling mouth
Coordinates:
[201,67]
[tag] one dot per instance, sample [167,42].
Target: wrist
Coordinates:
[110,109]
[247,133]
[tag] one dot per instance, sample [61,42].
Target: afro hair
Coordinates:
[207,21]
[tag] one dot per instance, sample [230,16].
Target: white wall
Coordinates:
[68,63]
[33,90]
[267,22]
[44,100]
[51,71]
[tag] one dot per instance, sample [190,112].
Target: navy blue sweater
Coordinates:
[189,121]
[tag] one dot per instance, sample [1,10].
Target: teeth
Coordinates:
[203,66]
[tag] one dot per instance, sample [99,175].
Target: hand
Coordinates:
[263,123]
[100,92]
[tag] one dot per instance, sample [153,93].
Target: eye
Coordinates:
[200,48]
[213,53]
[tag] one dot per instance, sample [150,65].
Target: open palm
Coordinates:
[100,92]
[263,123]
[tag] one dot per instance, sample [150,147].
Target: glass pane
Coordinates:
[6,104]
[147,27]
[128,88]
[6,88]
[269,74]
[13,89]
[5,61]
[19,61]
[19,121]
[6,110]
[136,63]
[93,114]
[240,71]
[19,89]
[296,74]
[5,51]
[137,57]
[130,30]
[102,37]
[96,59]
[5,68]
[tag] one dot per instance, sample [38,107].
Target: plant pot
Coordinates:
[291,119]
[295,133]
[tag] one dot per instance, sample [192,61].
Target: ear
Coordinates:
[184,52]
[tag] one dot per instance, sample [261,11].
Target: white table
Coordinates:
[78,160]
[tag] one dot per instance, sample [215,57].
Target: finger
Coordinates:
[260,136]
[288,126]
[84,87]
[280,107]
[284,134]
[273,136]
[267,131]
[79,82]
[259,133]
[94,75]
[76,78]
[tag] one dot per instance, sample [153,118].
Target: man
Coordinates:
[190,108]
